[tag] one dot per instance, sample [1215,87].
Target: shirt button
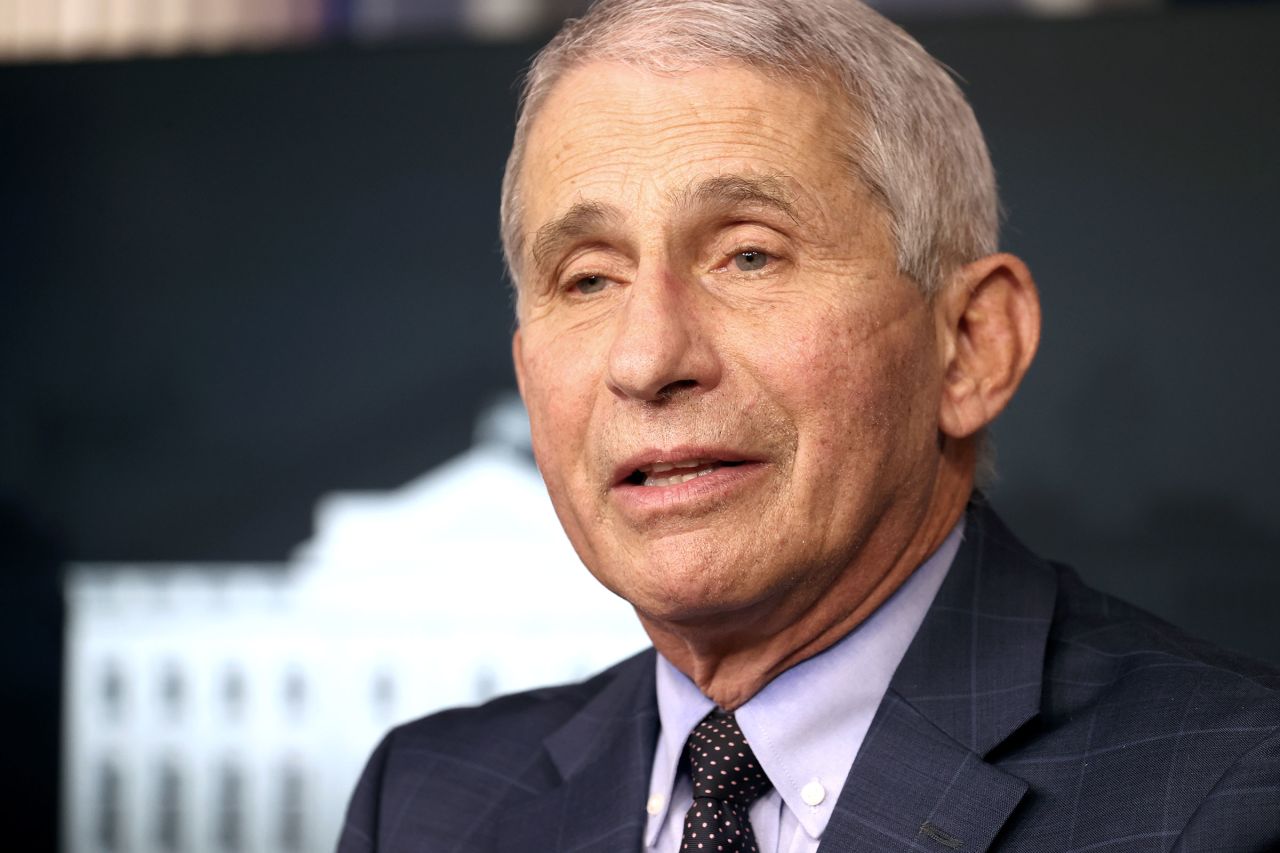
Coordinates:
[654,805]
[813,793]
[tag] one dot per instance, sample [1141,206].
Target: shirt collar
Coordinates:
[808,724]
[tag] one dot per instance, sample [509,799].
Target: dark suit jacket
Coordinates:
[1030,713]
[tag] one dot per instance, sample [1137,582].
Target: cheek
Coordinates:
[557,387]
[862,391]
[556,424]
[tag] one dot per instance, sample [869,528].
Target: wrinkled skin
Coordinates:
[704,283]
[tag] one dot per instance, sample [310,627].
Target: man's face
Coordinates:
[733,393]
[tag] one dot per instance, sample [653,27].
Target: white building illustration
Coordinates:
[230,708]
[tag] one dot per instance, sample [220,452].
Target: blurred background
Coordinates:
[258,448]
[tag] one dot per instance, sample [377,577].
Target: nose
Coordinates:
[660,348]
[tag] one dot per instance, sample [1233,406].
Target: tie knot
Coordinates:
[721,764]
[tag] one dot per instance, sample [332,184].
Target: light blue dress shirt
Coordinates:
[806,726]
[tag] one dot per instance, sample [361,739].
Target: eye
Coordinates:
[590,284]
[751,260]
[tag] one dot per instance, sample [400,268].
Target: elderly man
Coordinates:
[762,327]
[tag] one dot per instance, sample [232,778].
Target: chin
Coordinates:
[676,591]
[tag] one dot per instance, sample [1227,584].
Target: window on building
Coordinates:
[295,693]
[108,826]
[228,820]
[233,693]
[169,818]
[113,692]
[293,812]
[172,692]
[383,695]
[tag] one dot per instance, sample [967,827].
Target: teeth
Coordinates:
[659,467]
[678,478]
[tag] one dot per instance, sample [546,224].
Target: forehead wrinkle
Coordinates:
[581,219]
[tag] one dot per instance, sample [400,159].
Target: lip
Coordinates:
[652,456]
[701,493]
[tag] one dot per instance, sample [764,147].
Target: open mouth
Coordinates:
[675,473]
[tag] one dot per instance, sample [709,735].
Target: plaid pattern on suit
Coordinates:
[1031,713]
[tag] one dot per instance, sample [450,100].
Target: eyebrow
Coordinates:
[582,219]
[740,190]
[587,218]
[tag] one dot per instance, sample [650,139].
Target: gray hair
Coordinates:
[913,140]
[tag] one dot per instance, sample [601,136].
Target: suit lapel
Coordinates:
[603,755]
[971,677]
[913,787]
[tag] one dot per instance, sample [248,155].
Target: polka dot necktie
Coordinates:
[727,779]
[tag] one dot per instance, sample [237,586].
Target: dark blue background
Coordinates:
[228,285]
[231,284]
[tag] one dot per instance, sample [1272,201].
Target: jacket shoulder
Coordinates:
[1148,730]
[1101,645]
[505,733]
[528,716]
[430,781]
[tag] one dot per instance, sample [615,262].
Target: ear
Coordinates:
[989,313]
[517,359]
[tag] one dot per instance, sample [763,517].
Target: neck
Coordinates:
[731,663]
